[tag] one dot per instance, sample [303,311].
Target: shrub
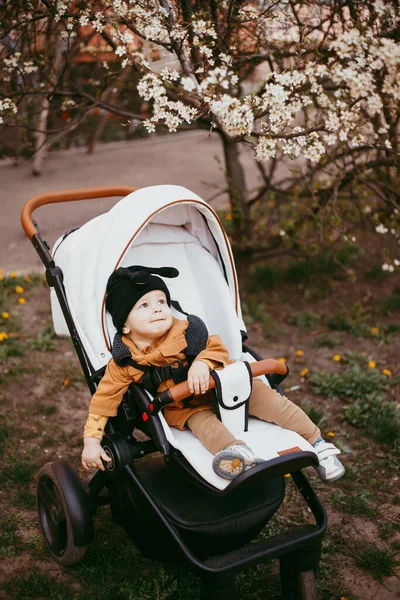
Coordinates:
[44,342]
[339,322]
[326,341]
[392,303]
[378,417]
[305,320]
[355,383]
[264,278]
[378,562]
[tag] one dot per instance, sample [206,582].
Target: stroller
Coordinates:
[173,507]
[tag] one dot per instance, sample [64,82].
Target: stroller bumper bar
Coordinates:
[67,196]
[181,391]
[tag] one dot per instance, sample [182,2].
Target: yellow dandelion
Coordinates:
[19,289]
[13,274]
[304,372]
[299,352]
[331,434]
[5,315]
[21,300]
[337,357]
[372,364]
[387,372]
[282,359]
[343,598]
[3,336]
[66,382]
[374,330]
[228,216]
[27,278]
[287,476]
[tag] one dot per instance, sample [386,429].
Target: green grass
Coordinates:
[378,417]
[10,348]
[379,563]
[46,409]
[354,382]
[388,529]
[18,472]
[305,320]
[392,303]
[326,340]
[5,433]
[35,584]
[316,415]
[255,312]
[355,503]
[44,341]
[375,273]
[10,540]
[25,499]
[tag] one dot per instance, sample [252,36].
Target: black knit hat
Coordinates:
[128,284]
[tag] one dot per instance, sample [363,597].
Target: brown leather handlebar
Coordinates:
[261,367]
[90,193]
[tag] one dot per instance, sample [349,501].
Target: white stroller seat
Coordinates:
[202,290]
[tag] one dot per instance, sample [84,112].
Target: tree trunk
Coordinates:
[241,219]
[41,144]
[236,181]
[40,137]
[96,135]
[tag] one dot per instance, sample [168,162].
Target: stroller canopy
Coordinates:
[162,225]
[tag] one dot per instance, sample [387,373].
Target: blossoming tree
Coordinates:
[311,88]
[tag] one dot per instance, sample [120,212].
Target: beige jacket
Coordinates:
[168,348]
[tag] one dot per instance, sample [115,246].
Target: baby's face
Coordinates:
[150,318]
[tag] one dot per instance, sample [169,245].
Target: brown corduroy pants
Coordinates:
[267,405]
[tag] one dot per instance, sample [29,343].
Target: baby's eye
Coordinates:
[161,301]
[143,305]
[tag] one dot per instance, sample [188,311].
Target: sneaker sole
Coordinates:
[235,465]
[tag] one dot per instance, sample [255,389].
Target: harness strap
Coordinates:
[196,336]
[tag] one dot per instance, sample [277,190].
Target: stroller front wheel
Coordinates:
[56,522]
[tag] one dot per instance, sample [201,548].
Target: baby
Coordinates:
[149,336]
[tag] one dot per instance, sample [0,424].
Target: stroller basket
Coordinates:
[174,498]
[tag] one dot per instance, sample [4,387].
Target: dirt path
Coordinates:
[186,159]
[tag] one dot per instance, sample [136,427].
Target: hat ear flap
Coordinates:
[166,272]
[163,271]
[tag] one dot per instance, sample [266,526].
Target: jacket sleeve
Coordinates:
[215,355]
[112,387]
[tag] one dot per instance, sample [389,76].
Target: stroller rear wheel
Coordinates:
[57,514]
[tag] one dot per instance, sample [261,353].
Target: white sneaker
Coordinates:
[234,460]
[330,468]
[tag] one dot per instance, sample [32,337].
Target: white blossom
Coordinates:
[188,84]
[381,228]
[388,267]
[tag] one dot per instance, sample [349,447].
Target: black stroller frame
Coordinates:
[192,521]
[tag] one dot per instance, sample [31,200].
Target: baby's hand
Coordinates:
[93,453]
[198,377]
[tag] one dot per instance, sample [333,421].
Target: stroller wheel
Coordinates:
[57,515]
